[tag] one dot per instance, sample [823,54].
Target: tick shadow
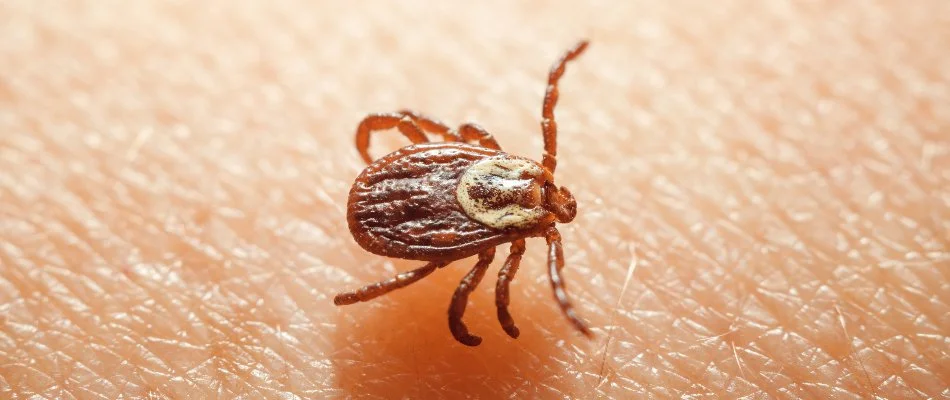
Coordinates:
[399,345]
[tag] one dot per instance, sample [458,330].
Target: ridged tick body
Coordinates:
[445,201]
[451,200]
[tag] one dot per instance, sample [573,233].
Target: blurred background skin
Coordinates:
[772,176]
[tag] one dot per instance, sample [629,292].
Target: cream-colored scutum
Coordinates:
[504,175]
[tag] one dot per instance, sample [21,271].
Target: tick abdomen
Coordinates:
[405,204]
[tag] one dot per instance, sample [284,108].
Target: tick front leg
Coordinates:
[551,94]
[555,265]
[472,132]
[378,122]
[375,290]
[460,299]
[505,276]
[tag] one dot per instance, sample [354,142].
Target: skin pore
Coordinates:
[762,198]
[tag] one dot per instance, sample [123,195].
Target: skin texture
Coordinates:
[762,189]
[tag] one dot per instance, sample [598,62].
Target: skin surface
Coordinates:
[762,189]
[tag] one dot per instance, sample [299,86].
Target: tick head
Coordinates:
[560,202]
[513,193]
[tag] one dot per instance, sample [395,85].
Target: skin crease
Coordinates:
[771,176]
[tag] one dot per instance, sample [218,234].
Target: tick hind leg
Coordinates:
[375,290]
[505,276]
[555,265]
[460,299]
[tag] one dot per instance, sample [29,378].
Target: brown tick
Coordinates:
[442,202]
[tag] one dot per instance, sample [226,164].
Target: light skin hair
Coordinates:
[761,186]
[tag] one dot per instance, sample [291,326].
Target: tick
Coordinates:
[440,202]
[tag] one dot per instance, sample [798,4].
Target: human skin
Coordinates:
[762,190]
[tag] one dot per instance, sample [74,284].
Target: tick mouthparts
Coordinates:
[560,202]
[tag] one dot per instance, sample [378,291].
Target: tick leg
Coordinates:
[548,124]
[460,299]
[505,276]
[375,290]
[466,132]
[377,122]
[432,125]
[471,132]
[555,264]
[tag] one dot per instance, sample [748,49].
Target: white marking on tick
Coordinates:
[501,177]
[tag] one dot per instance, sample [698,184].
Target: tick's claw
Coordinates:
[460,333]
[512,331]
[507,323]
[470,340]
[343,299]
[581,326]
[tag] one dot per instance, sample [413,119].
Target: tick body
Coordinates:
[444,201]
